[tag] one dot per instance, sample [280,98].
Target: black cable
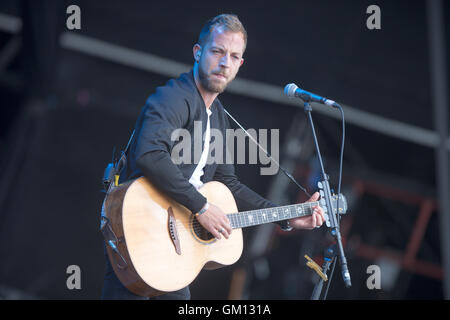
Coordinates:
[341,159]
[268,154]
[329,280]
[339,191]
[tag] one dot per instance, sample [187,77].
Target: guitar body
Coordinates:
[163,246]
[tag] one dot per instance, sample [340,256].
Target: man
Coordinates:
[218,56]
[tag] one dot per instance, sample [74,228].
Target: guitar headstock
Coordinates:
[338,206]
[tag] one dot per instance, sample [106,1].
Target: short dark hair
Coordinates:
[230,22]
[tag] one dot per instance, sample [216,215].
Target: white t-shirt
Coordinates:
[198,172]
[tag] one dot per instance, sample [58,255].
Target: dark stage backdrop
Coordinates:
[64,113]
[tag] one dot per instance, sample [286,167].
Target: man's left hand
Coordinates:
[312,221]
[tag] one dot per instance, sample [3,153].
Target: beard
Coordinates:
[212,84]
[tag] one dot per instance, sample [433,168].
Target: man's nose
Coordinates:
[225,61]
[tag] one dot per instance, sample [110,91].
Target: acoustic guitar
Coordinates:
[156,245]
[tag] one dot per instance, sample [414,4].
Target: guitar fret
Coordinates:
[233,220]
[298,211]
[273,214]
[250,218]
[271,217]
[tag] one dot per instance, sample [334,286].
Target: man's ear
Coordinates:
[197,50]
[242,62]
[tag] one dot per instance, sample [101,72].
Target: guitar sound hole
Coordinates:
[201,232]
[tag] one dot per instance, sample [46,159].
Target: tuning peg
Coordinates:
[319,184]
[322,194]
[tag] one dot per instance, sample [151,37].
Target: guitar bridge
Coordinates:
[173,230]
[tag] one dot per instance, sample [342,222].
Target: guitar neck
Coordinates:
[261,216]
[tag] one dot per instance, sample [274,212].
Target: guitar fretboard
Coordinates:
[256,217]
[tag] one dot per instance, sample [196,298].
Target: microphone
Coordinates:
[292,90]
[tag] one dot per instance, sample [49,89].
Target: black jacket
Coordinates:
[177,105]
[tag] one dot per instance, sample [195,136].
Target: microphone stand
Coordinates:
[332,214]
[329,256]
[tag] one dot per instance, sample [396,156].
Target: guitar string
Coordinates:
[197,227]
[239,219]
[308,205]
[188,228]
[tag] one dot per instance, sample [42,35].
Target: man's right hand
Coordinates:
[215,221]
